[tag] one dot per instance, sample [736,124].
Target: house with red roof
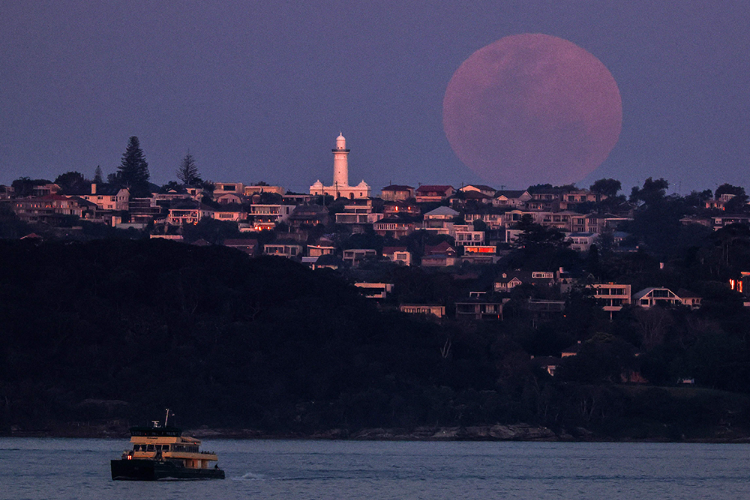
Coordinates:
[440,255]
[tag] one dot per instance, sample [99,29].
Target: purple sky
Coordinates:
[260,90]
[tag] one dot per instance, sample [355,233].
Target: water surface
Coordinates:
[32,468]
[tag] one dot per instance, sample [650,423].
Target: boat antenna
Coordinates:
[166,419]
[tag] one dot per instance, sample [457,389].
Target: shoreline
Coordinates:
[493,433]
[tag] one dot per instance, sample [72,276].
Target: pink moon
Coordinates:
[532,109]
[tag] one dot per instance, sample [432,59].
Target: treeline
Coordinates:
[122,329]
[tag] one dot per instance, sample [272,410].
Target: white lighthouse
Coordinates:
[341,187]
[340,162]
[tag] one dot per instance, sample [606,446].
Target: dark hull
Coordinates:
[153,470]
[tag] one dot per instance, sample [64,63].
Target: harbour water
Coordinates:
[44,468]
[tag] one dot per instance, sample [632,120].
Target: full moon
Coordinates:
[532,109]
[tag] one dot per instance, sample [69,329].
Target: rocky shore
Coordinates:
[514,432]
[517,432]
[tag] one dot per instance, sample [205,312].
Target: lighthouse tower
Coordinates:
[340,163]
[341,187]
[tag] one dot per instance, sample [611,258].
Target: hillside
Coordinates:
[118,330]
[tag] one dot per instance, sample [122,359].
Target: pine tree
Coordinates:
[98,179]
[188,171]
[133,170]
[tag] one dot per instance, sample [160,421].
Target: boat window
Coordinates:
[150,447]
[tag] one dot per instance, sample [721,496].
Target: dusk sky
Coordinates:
[260,90]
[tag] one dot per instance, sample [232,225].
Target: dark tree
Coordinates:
[730,189]
[188,172]
[536,236]
[607,187]
[133,171]
[212,230]
[25,187]
[539,187]
[170,186]
[739,198]
[479,225]
[72,182]
[653,191]
[98,175]
[698,199]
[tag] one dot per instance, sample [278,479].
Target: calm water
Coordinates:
[79,469]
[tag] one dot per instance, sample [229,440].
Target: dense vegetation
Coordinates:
[121,329]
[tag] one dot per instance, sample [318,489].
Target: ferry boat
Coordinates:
[162,452]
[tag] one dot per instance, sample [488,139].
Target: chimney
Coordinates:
[93,188]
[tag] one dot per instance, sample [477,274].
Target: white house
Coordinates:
[652,296]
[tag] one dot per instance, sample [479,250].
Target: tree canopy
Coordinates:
[98,175]
[607,187]
[653,191]
[72,182]
[133,170]
[188,173]
[24,186]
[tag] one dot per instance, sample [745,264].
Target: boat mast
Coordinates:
[166,419]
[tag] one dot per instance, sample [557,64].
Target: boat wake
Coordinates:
[249,476]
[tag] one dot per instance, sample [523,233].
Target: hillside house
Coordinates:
[397,226]
[653,296]
[288,250]
[433,193]
[308,215]
[401,208]
[581,242]
[105,196]
[267,217]
[399,255]
[223,188]
[480,309]
[188,213]
[248,246]
[51,208]
[492,217]
[429,310]
[441,255]
[356,256]
[323,247]
[514,199]
[479,188]
[359,214]
[612,296]
[508,280]
[397,193]
[465,236]
[440,220]
[377,291]
[261,189]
